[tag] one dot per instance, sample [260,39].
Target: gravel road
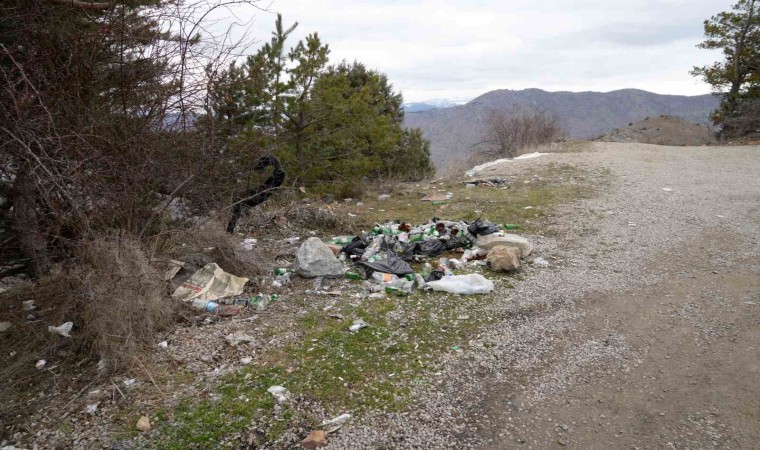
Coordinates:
[642,333]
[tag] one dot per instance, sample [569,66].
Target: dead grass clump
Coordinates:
[120,298]
[212,244]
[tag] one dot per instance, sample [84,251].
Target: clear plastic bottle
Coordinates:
[205,305]
[384,277]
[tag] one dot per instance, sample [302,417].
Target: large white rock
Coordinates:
[503,258]
[510,240]
[315,259]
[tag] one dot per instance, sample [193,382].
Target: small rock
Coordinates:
[383,197]
[315,439]
[92,409]
[5,326]
[357,325]
[510,240]
[40,364]
[315,259]
[234,339]
[280,393]
[245,361]
[540,262]
[502,258]
[143,424]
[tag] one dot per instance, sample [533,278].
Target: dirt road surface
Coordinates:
[643,332]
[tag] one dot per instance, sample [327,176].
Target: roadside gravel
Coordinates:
[655,201]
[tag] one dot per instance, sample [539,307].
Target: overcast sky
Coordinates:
[461,49]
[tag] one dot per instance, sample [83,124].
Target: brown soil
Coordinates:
[663,130]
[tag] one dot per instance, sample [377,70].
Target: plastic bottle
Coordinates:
[511,226]
[342,240]
[384,277]
[205,305]
[353,276]
[400,288]
[262,301]
[282,271]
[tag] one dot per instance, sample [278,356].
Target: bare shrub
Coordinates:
[119,298]
[746,123]
[508,133]
[216,245]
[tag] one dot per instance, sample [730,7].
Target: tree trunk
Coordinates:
[27,226]
[299,145]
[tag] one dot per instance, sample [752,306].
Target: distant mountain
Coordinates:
[453,131]
[436,103]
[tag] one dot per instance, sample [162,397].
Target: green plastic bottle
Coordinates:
[511,226]
[353,276]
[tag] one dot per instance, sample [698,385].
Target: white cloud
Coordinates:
[461,49]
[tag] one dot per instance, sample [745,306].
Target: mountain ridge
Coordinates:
[455,131]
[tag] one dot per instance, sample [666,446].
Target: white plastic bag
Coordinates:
[473,283]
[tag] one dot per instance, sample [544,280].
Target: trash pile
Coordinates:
[382,259]
[383,256]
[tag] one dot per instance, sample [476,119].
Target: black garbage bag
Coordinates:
[482,227]
[392,264]
[405,250]
[435,276]
[430,247]
[355,247]
[456,242]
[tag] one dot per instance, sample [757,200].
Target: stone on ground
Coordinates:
[502,258]
[315,259]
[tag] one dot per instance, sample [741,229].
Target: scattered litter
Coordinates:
[235,339]
[463,318]
[261,301]
[750,303]
[336,421]
[358,325]
[280,393]
[540,262]
[129,382]
[315,439]
[29,305]
[246,360]
[485,182]
[292,240]
[473,283]
[719,216]
[63,329]
[143,424]
[456,348]
[476,169]
[5,326]
[40,364]
[437,197]
[210,283]
[249,243]
[383,197]
[528,207]
[163,344]
[205,305]
[173,269]
[92,408]
[667,189]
